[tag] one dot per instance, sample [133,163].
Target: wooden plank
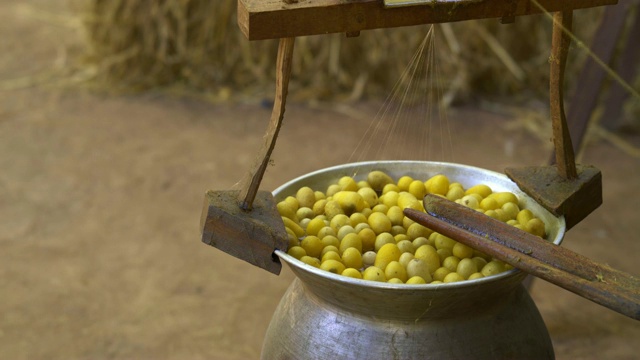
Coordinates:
[274,19]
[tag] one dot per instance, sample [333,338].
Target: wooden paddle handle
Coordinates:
[599,283]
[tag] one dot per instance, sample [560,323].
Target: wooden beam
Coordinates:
[274,19]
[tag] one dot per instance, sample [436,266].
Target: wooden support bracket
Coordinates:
[252,236]
[564,189]
[575,198]
[246,223]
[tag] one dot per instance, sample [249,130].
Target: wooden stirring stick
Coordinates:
[599,283]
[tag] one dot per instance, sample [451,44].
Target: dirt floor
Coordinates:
[100,198]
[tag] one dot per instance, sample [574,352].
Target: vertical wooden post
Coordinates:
[283,73]
[565,158]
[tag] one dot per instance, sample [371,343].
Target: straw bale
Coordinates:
[196,45]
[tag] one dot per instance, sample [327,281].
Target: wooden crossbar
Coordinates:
[274,19]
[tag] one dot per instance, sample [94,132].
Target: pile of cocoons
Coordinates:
[358,229]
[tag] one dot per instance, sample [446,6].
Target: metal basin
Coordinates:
[327,316]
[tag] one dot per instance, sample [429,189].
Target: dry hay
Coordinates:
[196,44]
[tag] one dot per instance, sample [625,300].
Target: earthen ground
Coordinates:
[100,198]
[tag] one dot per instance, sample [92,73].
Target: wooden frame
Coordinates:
[233,223]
